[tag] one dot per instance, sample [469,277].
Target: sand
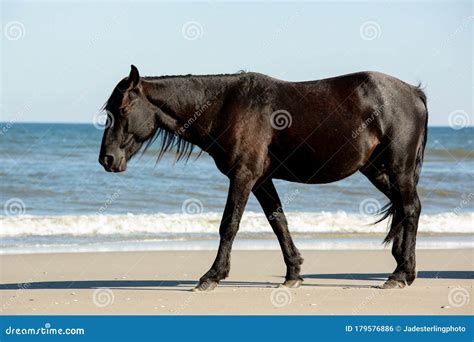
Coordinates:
[159,283]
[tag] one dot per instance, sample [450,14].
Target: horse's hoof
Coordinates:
[292,283]
[393,284]
[205,286]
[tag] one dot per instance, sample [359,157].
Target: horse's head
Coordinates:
[131,120]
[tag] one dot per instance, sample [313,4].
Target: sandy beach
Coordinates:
[159,283]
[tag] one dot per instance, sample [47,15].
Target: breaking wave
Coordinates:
[208,223]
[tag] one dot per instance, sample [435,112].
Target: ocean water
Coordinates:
[56,197]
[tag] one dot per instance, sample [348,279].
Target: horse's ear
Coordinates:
[134,76]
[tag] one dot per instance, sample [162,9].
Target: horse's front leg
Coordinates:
[239,190]
[268,198]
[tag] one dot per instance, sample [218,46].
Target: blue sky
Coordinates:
[60,61]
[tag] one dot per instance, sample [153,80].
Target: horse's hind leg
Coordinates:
[268,198]
[407,215]
[397,182]
[379,177]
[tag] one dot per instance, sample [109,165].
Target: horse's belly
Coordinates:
[312,174]
[308,166]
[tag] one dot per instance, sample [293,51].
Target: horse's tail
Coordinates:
[421,150]
[389,209]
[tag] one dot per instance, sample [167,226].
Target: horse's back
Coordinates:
[337,123]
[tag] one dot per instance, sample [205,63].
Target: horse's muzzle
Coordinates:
[111,164]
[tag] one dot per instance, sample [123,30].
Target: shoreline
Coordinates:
[359,243]
[208,242]
[159,283]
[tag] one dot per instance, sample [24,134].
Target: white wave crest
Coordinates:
[204,223]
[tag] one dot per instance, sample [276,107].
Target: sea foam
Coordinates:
[208,223]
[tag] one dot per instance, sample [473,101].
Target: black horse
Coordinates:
[257,128]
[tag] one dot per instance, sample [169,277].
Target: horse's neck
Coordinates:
[188,107]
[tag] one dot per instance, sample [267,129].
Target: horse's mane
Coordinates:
[170,141]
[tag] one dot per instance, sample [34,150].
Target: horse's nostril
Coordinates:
[107,160]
